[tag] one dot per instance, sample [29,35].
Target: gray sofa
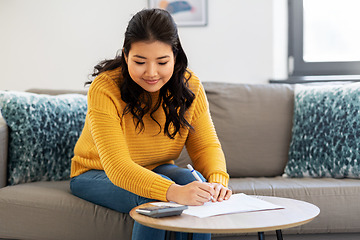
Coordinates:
[254,125]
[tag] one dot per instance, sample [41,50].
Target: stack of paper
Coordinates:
[237,203]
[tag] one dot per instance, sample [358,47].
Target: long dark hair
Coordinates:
[175,97]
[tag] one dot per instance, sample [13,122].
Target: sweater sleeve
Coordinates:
[203,144]
[106,128]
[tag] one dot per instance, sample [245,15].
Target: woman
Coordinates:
[143,107]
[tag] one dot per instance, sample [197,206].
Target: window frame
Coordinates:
[297,67]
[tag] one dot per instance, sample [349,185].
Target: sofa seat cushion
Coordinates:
[48,210]
[338,199]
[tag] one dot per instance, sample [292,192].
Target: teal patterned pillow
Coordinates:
[326,132]
[43,133]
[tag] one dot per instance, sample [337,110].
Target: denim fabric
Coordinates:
[94,186]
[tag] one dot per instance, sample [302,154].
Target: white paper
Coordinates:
[237,203]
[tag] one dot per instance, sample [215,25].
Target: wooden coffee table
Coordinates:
[295,213]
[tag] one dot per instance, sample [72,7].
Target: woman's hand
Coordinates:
[221,192]
[195,193]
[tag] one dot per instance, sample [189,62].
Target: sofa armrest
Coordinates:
[4,135]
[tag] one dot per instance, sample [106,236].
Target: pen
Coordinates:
[195,175]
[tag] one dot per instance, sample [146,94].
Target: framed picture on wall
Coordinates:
[185,13]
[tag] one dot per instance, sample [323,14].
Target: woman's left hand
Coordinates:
[221,192]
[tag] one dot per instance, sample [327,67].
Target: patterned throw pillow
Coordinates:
[43,133]
[326,132]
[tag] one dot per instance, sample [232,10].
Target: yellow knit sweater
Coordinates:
[111,143]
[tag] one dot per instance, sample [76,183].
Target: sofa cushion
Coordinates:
[48,210]
[326,134]
[253,123]
[43,133]
[338,200]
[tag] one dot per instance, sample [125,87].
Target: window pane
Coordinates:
[331,30]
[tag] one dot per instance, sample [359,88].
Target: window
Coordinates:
[324,39]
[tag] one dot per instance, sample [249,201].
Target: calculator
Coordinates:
[161,211]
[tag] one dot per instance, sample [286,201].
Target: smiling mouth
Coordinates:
[151,81]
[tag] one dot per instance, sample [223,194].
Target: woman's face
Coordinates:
[150,64]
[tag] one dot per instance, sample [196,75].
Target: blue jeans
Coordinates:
[94,186]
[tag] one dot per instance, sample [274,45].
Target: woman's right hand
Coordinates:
[194,194]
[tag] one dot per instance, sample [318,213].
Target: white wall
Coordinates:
[55,43]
